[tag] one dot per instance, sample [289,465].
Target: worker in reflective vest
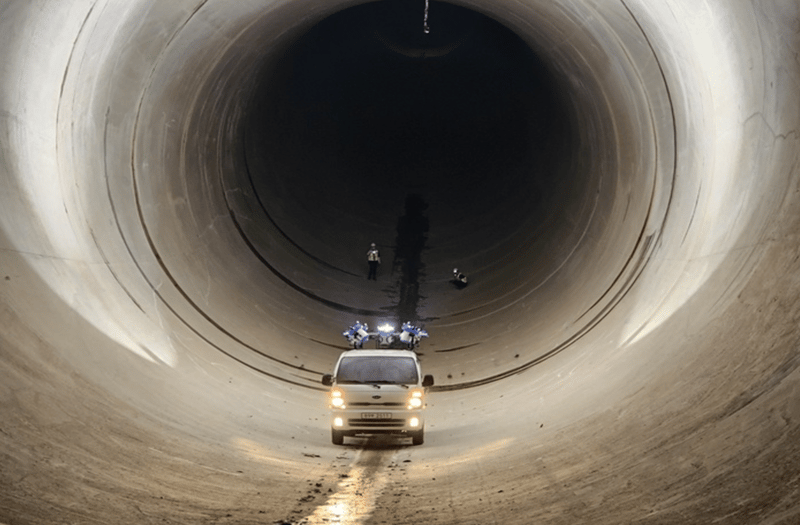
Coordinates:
[373,259]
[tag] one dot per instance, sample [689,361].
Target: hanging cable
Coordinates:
[425,27]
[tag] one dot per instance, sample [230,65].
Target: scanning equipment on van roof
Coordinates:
[386,336]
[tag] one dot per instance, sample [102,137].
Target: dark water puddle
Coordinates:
[412,235]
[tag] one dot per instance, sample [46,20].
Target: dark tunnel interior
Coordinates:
[188,190]
[365,110]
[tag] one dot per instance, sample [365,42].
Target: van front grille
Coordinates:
[372,423]
[376,404]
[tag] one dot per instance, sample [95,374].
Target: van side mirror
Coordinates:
[427,380]
[327,379]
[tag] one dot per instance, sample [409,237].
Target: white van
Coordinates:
[377,392]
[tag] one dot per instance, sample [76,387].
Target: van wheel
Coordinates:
[337,437]
[418,437]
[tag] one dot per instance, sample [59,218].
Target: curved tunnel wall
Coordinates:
[186,204]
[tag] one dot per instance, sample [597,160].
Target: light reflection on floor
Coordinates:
[357,492]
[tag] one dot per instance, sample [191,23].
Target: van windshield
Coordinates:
[377,369]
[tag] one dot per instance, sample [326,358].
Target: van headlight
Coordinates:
[415,399]
[337,399]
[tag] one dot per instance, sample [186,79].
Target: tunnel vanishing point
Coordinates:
[188,190]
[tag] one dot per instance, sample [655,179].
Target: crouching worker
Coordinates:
[459,279]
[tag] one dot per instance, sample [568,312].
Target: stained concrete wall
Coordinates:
[189,190]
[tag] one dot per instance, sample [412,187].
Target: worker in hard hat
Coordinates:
[373,259]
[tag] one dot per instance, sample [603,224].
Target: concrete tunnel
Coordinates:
[189,189]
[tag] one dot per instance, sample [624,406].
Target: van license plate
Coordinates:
[376,415]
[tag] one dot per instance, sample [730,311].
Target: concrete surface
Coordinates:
[189,189]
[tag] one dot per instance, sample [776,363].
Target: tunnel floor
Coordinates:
[232,463]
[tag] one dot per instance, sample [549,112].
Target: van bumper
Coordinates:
[353,422]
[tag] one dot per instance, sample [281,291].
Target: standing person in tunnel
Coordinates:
[373,259]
